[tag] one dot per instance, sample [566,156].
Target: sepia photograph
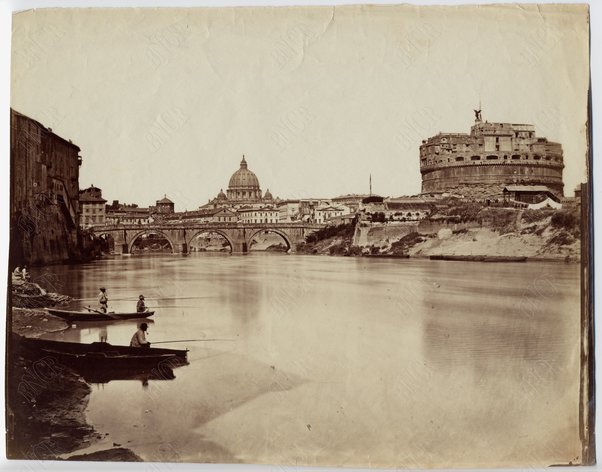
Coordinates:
[353,236]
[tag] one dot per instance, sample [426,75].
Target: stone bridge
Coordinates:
[180,235]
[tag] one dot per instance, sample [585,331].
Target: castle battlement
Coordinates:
[493,153]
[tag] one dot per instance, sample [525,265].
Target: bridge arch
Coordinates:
[149,231]
[223,234]
[279,232]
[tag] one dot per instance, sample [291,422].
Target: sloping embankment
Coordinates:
[535,234]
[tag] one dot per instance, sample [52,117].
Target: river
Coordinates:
[341,361]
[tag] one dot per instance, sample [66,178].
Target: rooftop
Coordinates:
[526,188]
[87,198]
[164,200]
[48,130]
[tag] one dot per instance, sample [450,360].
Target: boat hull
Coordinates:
[94,316]
[102,362]
[443,257]
[99,355]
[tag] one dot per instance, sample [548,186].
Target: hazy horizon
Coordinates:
[166,101]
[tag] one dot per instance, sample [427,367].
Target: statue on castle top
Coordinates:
[477,115]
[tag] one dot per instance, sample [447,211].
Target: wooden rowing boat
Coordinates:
[100,355]
[95,315]
[443,257]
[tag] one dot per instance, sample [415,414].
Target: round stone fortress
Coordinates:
[492,154]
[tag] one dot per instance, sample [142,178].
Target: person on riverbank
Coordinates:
[140,306]
[103,300]
[24,273]
[17,275]
[139,337]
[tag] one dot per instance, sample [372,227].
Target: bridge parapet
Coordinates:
[193,226]
[239,235]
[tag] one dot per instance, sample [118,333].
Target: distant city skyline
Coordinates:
[167,101]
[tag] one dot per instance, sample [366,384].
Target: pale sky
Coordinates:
[166,101]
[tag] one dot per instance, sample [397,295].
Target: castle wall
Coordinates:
[441,179]
[492,154]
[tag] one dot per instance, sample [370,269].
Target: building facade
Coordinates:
[288,211]
[493,153]
[353,201]
[408,208]
[307,208]
[117,213]
[258,215]
[92,207]
[326,213]
[44,177]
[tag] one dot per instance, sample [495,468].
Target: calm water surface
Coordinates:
[342,361]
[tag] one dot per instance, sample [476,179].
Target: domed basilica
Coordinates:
[243,191]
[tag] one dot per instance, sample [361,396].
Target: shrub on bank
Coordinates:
[564,219]
[402,246]
[502,220]
[468,211]
[354,251]
[338,249]
[563,238]
[534,216]
[344,230]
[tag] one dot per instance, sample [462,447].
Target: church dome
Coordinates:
[243,178]
[221,195]
[268,195]
[244,184]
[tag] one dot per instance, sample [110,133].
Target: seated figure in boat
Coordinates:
[103,300]
[139,337]
[140,306]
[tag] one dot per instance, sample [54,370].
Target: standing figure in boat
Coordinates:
[139,337]
[140,306]
[103,300]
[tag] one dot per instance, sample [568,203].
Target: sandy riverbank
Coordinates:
[537,240]
[486,242]
[46,401]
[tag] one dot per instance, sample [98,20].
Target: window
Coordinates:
[459,159]
[491,158]
[475,158]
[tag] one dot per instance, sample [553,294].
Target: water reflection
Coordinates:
[102,376]
[388,361]
[513,321]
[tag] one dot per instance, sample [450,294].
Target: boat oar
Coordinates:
[191,340]
[101,313]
